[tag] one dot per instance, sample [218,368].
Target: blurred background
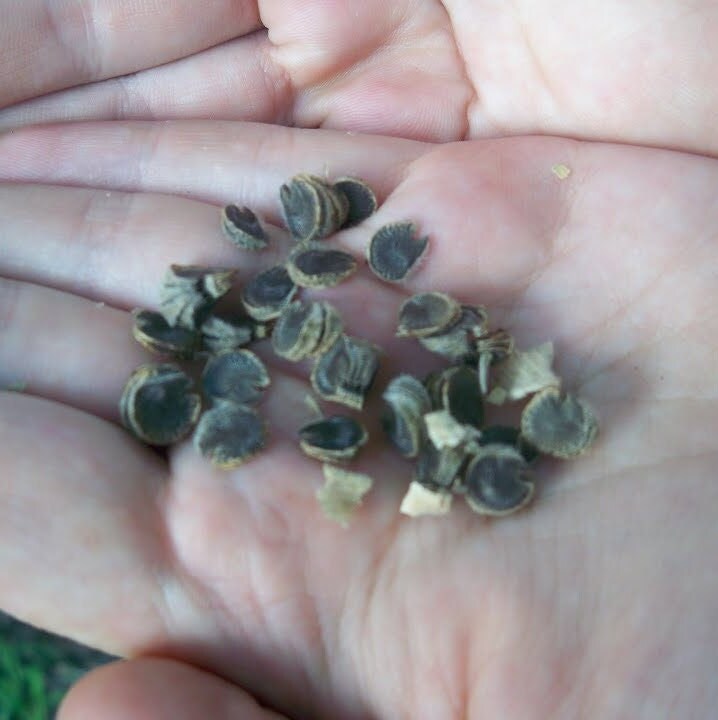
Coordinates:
[37,668]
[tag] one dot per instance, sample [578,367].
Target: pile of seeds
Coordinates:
[209,384]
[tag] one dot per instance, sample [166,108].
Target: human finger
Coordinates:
[45,47]
[158,689]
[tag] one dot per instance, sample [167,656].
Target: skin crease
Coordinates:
[594,602]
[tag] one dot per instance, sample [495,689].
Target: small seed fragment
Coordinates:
[458,341]
[496,481]
[189,292]
[345,372]
[306,329]
[243,228]
[237,376]
[421,500]
[228,332]
[523,373]
[394,250]
[337,437]
[319,267]
[361,199]
[561,425]
[157,405]
[407,401]
[445,431]
[152,331]
[342,493]
[229,434]
[427,314]
[268,293]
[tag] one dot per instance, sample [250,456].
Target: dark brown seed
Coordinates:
[458,340]
[237,376]
[152,331]
[320,267]
[337,437]
[189,292]
[267,294]
[227,332]
[346,371]
[427,314]
[243,228]
[394,250]
[157,405]
[461,396]
[407,401]
[438,469]
[229,434]
[361,199]
[301,208]
[496,481]
[492,347]
[558,424]
[306,329]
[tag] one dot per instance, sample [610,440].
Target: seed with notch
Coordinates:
[157,404]
[243,228]
[342,493]
[496,481]
[229,434]
[427,314]
[267,294]
[457,341]
[407,401]
[558,424]
[394,250]
[237,376]
[306,329]
[152,331]
[227,332]
[319,267]
[345,372]
[312,209]
[337,437]
[189,292]
[361,199]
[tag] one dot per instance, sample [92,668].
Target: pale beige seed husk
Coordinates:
[444,431]
[524,373]
[342,493]
[420,501]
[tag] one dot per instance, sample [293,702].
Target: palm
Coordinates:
[239,572]
[416,68]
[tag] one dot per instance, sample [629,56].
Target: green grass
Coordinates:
[36,670]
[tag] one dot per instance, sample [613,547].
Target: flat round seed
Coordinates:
[267,294]
[361,199]
[461,396]
[302,208]
[496,481]
[407,401]
[558,424]
[393,251]
[227,332]
[320,267]
[458,340]
[337,437]
[507,435]
[243,228]
[427,314]
[346,371]
[229,434]
[157,405]
[189,292]
[238,376]
[152,331]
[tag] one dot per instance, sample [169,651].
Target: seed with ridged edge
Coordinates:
[243,228]
[458,340]
[312,208]
[361,198]
[228,332]
[394,251]
[267,294]
[337,437]
[427,314]
[306,329]
[407,401]
[319,267]
[157,404]
[152,331]
[238,376]
[229,434]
